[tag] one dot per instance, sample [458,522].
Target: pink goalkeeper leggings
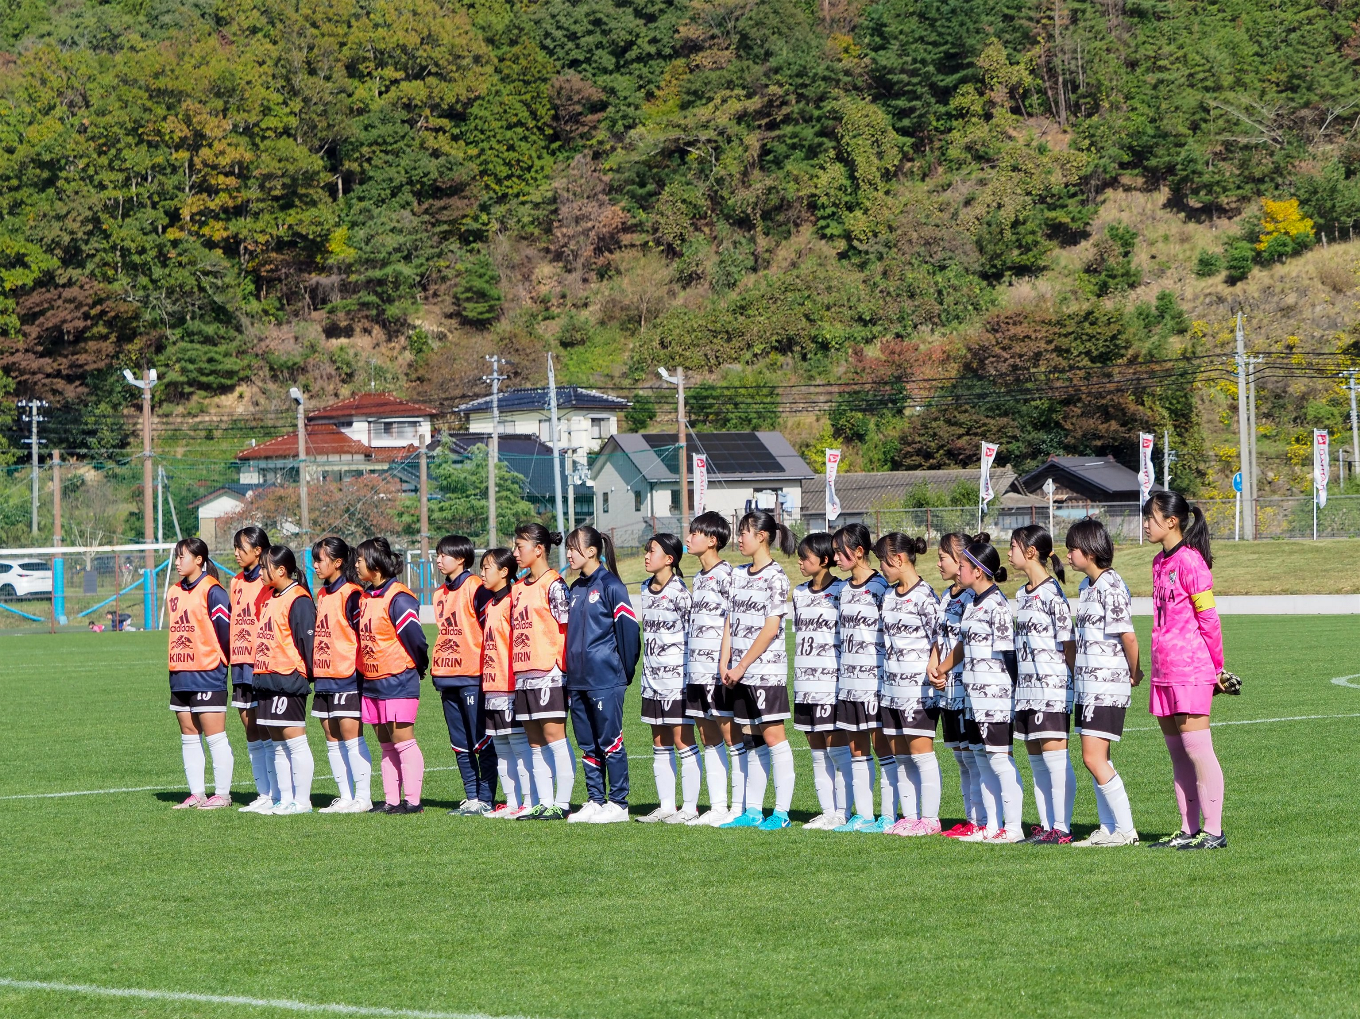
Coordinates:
[1199,780]
[403,768]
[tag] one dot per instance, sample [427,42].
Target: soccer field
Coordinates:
[437,915]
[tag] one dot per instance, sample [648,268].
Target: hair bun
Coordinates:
[554,538]
[1000,575]
[984,537]
[920,545]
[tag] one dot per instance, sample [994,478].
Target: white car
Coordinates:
[25,578]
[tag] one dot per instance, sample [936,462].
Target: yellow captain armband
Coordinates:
[1203,601]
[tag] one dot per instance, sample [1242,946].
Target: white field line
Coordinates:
[282,1004]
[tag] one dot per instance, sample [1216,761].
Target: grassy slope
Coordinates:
[545,920]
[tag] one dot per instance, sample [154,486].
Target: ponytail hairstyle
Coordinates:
[586,537]
[985,558]
[537,534]
[763,522]
[281,557]
[457,546]
[1036,536]
[378,556]
[1090,538]
[339,550]
[669,545]
[852,537]
[712,525]
[895,543]
[1194,529]
[198,548]
[503,559]
[818,543]
[251,536]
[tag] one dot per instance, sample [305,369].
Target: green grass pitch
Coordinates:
[454,915]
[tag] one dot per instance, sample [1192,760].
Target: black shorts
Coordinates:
[758,705]
[243,696]
[952,728]
[917,721]
[1031,724]
[665,711]
[721,701]
[336,705]
[699,699]
[814,717]
[994,737]
[1103,720]
[857,716]
[198,702]
[545,704]
[281,710]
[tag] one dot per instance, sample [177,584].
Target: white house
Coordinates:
[585,418]
[212,507]
[378,420]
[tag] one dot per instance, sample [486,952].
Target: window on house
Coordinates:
[637,501]
[599,428]
[604,502]
[545,429]
[399,429]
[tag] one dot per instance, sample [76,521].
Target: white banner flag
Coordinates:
[1146,475]
[1322,466]
[700,483]
[833,505]
[985,493]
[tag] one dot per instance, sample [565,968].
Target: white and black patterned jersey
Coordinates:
[816,642]
[755,597]
[1104,611]
[665,628]
[1042,624]
[710,602]
[987,631]
[861,630]
[952,608]
[911,622]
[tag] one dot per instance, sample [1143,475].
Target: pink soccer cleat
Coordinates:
[963,830]
[191,801]
[925,826]
[215,802]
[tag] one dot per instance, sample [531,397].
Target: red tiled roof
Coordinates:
[322,440]
[395,452]
[371,405]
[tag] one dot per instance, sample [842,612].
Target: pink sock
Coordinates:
[1183,775]
[412,763]
[1199,745]
[391,774]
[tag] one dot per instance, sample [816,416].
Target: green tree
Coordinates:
[458,503]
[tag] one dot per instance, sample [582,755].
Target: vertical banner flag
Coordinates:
[985,493]
[1145,473]
[833,505]
[700,484]
[1321,465]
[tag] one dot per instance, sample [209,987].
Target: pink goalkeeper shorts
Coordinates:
[1181,700]
[401,710]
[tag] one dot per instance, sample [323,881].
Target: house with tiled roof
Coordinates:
[586,418]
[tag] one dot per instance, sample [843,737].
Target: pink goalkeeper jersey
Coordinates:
[1187,641]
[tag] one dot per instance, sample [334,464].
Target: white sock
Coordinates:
[1102,807]
[663,768]
[564,771]
[259,751]
[908,786]
[524,768]
[359,764]
[1118,800]
[1012,792]
[757,777]
[506,771]
[283,773]
[961,758]
[691,778]
[989,785]
[929,784]
[1062,785]
[542,771]
[887,798]
[737,757]
[300,760]
[191,749]
[977,787]
[824,781]
[840,764]
[339,772]
[271,767]
[715,776]
[781,767]
[862,786]
[224,763]
[1043,795]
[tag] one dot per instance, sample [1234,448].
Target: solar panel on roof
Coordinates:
[727,452]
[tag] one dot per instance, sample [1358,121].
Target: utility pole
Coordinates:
[306,531]
[1168,457]
[424,441]
[58,563]
[160,505]
[1355,422]
[34,416]
[678,380]
[557,462]
[1243,434]
[1252,362]
[493,446]
[145,384]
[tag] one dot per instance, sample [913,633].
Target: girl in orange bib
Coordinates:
[498,687]
[248,594]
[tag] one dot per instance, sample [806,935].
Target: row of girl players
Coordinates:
[881,662]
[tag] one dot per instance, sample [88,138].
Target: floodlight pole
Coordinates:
[1355,421]
[678,381]
[145,384]
[424,441]
[493,446]
[557,462]
[34,416]
[296,395]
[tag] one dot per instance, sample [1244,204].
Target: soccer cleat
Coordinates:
[822,822]
[857,822]
[1004,837]
[925,826]
[586,814]
[1100,838]
[1037,833]
[777,821]
[683,816]
[382,808]
[610,813]
[215,802]
[290,808]
[258,805]
[962,830]
[659,814]
[977,835]
[711,819]
[1206,841]
[470,808]
[900,826]
[336,806]
[356,806]
[746,819]
[191,801]
[531,813]
[1174,841]
[502,811]
[550,813]
[406,807]
[878,826]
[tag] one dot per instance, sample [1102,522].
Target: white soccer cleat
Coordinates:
[290,808]
[1004,837]
[586,815]
[682,817]
[610,813]
[980,835]
[659,814]
[259,805]
[705,820]
[822,822]
[1103,839]
[356,807]
[337,806]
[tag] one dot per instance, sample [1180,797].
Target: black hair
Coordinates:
[1194,529]
[670,545]
[851,537]
[198,548]
[253,536]
[586,537]
[1036,536]
[378,556]
[979,551]
[339,550]
[1090,538]
[281,557]
[503,559]
[457,546]
[895,543]
[763,522]
[712,525]
[539,535]
[955,542]
[818,543]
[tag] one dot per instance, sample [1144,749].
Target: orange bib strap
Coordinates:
[193,641]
